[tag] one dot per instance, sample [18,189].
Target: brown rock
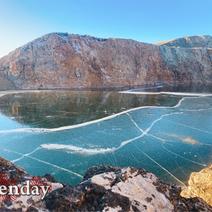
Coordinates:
[61,60]
[105,189]
[200,185]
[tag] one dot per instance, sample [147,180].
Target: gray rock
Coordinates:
[104,188]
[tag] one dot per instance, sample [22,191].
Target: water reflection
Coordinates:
[176,142]
[62,108]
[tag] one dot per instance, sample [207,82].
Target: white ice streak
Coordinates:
[147,155]
[136,125]
[152,87]
[1,95]
[25,155]
[92,151]
[158,138]
[4,93]
[196,110]
[77,150]
[166,93]
[48,130]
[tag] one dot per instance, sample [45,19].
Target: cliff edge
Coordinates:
[200,185]
[68,61]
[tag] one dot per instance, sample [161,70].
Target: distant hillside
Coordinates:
[191,42]
[61,60]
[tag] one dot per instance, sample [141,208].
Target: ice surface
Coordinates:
[169,141]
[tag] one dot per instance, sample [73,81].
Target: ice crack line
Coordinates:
[196,110]
[168,93]
[191,127]
[145,132]
[48,130]
[178,155]
[136,125]
[25,155]
[178,180]
[91,151]
[45,162]
[171,152]
[163,140]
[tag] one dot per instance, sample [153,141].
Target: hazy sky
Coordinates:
[146,20]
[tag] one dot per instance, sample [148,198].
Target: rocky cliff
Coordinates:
[103,188]
[61,60]
[200,185]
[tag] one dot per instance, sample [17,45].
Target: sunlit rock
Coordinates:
[103,188]
[61,60]
[200,185]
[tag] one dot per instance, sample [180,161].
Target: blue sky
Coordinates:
[145,20]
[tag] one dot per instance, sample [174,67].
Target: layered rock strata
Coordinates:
[68,61]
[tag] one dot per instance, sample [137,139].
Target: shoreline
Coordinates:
[84,182]
[124,188]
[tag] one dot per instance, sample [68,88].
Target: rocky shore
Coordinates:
[200,185]
[103,188]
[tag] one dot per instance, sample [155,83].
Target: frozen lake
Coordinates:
[65,132]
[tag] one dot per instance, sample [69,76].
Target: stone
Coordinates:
[68,61]
[200,185]
[104,188]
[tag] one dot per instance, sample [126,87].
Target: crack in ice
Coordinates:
[165,140]
[45,162]
[191,127]
[196,110]
[171,152]
[167,93]
[25,155]
[49,130]
[161,139]
[178,155]
[166,170]
[93,151]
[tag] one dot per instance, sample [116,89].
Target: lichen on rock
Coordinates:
[200,185]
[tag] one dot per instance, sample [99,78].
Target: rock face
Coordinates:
[103,188]
[10,175]
[200,185]
[61,60]
[190,42]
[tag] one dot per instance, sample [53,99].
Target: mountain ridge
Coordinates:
[70,61]
[160,43]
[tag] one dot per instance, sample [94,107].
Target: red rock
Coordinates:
[60,60]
